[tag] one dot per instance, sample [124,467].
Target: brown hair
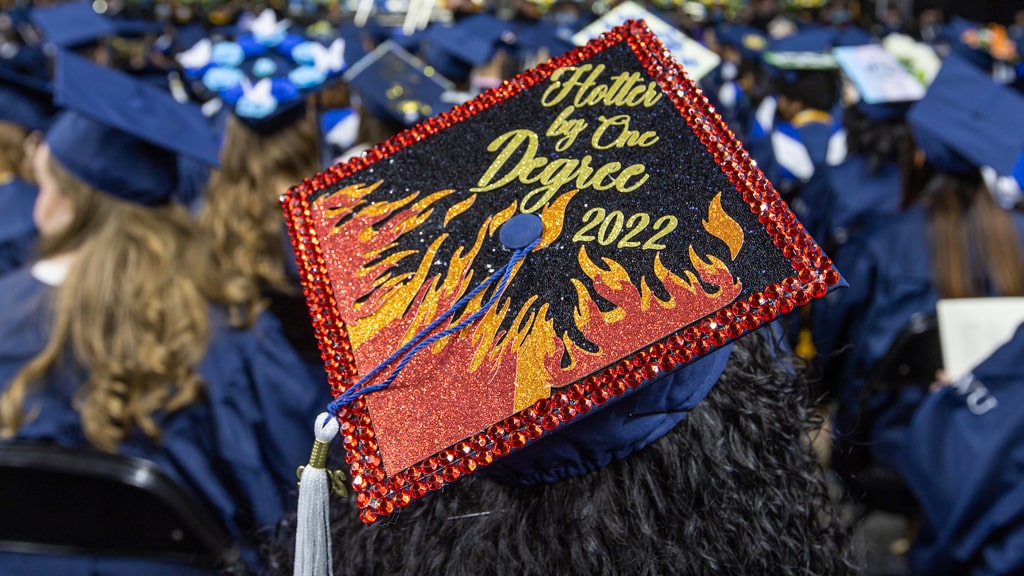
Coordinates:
[12,152]
[133,311]
[242,216]
[975,245]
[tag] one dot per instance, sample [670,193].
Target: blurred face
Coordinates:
[53,211]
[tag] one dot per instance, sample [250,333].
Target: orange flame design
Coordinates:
[430,405]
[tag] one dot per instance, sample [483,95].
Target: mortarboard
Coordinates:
[395,86]
[27,96]
[123,136]
[885,88]
[851,36]
[808,49]
[474,39]
[266,73]
[553,269]
[131,27]
[696,59]
[966,120]
[750,41]
[535,37]
[71,25]
[982,46]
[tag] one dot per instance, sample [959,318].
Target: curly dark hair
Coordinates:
[733,489]
[881,141]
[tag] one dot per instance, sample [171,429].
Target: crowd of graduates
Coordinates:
[150,303]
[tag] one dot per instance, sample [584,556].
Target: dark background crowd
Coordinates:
[151,308]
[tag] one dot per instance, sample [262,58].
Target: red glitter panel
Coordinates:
[661,241]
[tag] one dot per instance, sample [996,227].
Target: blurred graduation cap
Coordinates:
[851,36]
[750,41]
[471,41]
[980,45]
[27,100]
[490,276]
[132,27]
[265,74]
[966,121]
[696,59]
[25,90]
[885,88]
[395,86]
[72,24]
[540,37]
[123,136]
[808,49]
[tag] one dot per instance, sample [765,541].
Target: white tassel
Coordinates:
[313,533]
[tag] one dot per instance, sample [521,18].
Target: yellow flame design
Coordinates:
[458,209]
[720,225]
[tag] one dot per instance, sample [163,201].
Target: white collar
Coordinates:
[51,272]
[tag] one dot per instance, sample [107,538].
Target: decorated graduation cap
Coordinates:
[72,24]
[885,88]
[807,49]
[966,121]
[266,73]
[396,86]
[123,136]
[983,46]
[697,59]
[579,244]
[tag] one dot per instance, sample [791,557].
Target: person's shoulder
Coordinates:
[24,326]
[18,199]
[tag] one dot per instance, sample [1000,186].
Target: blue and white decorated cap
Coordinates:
[265,73]
[123,136]
[966,120]
[71,25]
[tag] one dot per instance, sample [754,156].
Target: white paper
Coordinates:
[970,329]
[695,58]
[878,75]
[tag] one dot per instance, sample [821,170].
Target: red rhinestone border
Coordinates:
[377,494]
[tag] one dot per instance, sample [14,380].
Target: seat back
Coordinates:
[912,360]
[62,501]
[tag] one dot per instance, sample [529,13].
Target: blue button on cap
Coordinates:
[520,231]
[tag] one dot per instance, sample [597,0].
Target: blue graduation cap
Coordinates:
[533,37]
[71,25]
[473,39]
[885,88]
[123,136]
[805,50]
[131,27]
[851,36]
[750,41]
[963,37]
[265,75]
[27,101]
[966,120]
[395,86]
[25,88]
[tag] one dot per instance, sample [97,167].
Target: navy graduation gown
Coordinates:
[890,275]
[856,197]
[965,465]
[237,451]
[17,229]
